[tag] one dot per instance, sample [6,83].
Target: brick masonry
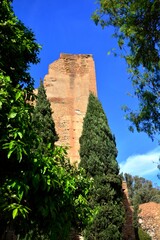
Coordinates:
[128,229]
[68,83]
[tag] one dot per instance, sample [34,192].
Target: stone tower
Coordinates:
[68,83]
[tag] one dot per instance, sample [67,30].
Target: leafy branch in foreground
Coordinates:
[137,29]
[18,48]
[40,195]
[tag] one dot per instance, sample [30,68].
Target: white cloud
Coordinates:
[143,165]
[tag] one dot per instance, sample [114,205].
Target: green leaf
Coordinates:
[12,115]
[18,94]
[9,153]
[24,211]
[20,134]
[11,144]
[15,213]
[19,154]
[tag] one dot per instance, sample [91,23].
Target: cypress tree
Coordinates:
[98,157]
[42,120]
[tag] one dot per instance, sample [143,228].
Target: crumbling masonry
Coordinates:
[68,83]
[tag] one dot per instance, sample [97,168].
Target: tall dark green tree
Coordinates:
[98,157]
[42,120]
[136,24]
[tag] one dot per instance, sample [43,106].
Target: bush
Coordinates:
[142,235]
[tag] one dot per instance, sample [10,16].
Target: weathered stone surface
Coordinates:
[68,83]
[149,219]
[128,229]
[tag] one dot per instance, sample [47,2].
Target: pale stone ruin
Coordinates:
[68,83]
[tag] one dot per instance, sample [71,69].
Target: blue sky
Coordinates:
[65,26]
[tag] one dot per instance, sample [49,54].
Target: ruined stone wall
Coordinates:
[68,83]
[149,219]
[128,229]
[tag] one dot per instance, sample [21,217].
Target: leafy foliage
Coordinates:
[143,235]
[136,25]
[18,48]
[141,190]
[40,195]
[42,120]
[98,157]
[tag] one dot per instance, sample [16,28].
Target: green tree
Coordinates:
[18,48]
[40,195]
[136,25]
[141,190]
[42,120]
[98,157]
[136,211]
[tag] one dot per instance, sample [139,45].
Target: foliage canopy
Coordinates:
[141,190]
[98,157]
[137,29]
[40,194]
[18,48]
